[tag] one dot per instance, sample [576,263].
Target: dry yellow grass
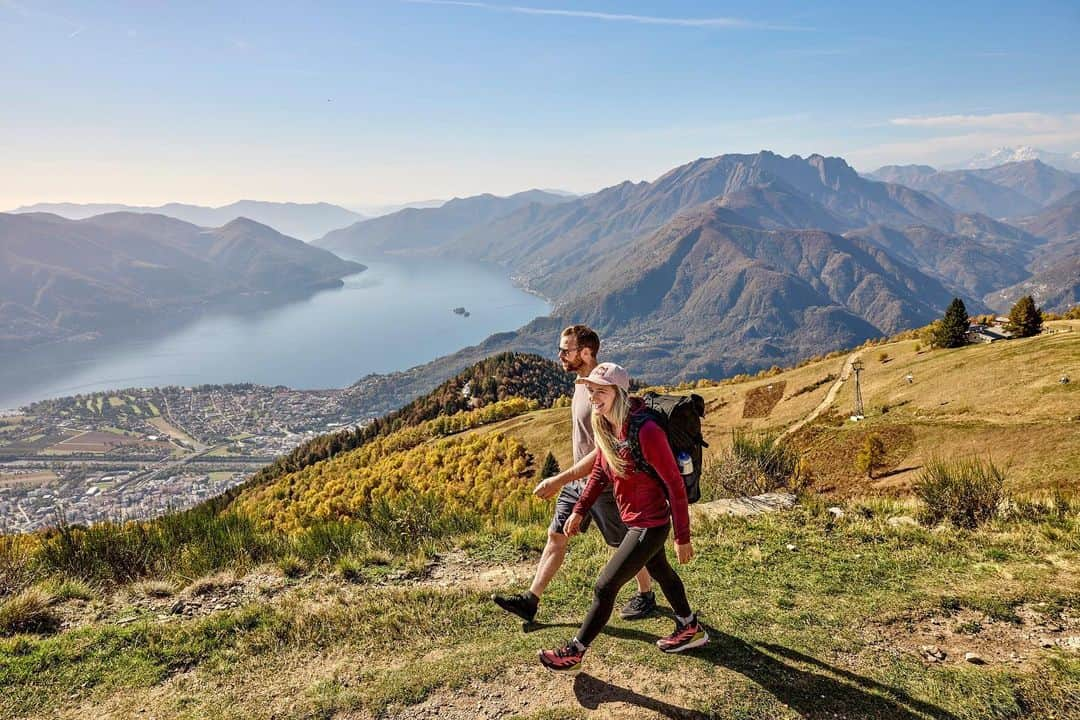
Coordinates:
[1001,400]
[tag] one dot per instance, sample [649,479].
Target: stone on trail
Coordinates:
[746,506]
[932,653]
[974,659]
[901,521]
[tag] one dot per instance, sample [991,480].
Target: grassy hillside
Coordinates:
[357,587]
[1001,400]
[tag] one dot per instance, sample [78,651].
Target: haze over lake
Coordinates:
[393,316]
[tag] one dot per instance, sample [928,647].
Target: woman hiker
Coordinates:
[645,508]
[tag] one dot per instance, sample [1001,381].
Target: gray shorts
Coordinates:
[604,511]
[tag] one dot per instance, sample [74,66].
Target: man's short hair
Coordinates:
[585,337]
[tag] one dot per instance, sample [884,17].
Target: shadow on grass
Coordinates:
[810,687]
[897,471]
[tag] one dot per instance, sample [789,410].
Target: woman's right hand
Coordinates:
[684,552]
[572,526]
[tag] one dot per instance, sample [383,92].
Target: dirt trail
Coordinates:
[830,396]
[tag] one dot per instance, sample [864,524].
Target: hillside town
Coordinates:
[140,452]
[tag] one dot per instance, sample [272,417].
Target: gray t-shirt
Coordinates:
[581,412]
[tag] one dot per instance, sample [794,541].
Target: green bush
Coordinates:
[965,491]
[191,543]
[350,569]
[756,463]
[292,566]
[871,456]
[28,611]
[412,520]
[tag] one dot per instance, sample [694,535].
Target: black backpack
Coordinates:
[680,417]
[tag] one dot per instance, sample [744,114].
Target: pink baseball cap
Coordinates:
[608,373]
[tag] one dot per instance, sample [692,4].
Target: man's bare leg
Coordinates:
[551,559]
[644,582]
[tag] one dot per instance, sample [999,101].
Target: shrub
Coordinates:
[883,357]
[755,464]
[964,491]
[292,566]
[871,456]
[67,589]
[28,611]
[211,583]
[151,589]
[191,543]
[350,569]
[410,520]
[17,567]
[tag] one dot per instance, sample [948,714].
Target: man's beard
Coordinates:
[572,366]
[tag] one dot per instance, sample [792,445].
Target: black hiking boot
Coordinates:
[642,605]
[523,605]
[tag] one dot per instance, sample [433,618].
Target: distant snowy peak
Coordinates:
[1001,156]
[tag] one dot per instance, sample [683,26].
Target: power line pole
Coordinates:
[857,367]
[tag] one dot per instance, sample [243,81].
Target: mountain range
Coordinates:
[721,265]
[1004,155]
[305,221]
[413,229]
[737,262]
[1012,190]
[120,271]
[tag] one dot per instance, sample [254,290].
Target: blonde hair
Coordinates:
[606,434]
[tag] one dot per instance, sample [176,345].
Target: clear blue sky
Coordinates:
[386,100]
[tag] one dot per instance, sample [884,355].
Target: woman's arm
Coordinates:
[657,452]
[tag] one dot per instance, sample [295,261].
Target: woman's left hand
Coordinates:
[684,551]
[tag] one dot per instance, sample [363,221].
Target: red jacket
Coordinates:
[639,496]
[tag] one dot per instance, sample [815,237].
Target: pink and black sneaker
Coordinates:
[565,659]
[690,635]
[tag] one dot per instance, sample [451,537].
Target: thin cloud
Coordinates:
[1029,121]
[959,147]
[76,33]
[712,22]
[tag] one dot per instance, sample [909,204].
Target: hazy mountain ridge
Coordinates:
[61,277]
[1000,156]
[962,263]
[961,189]
[420,229]
[1033,179]
[551,247]
[1059,221]
[306,221]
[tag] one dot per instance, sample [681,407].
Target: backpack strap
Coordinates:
[637,420]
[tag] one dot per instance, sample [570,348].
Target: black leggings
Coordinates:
[641,548]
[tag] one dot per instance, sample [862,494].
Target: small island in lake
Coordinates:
[462,312]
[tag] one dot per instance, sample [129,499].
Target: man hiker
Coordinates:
[578,348]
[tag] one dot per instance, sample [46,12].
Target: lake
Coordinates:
[396,314]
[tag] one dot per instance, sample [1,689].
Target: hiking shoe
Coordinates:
[690,635]
[523,605]
[565,659]
[642,605]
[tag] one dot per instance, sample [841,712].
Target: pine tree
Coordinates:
[952,330]
[550,466]
[1025,320]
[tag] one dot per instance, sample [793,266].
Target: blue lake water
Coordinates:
[395,315]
